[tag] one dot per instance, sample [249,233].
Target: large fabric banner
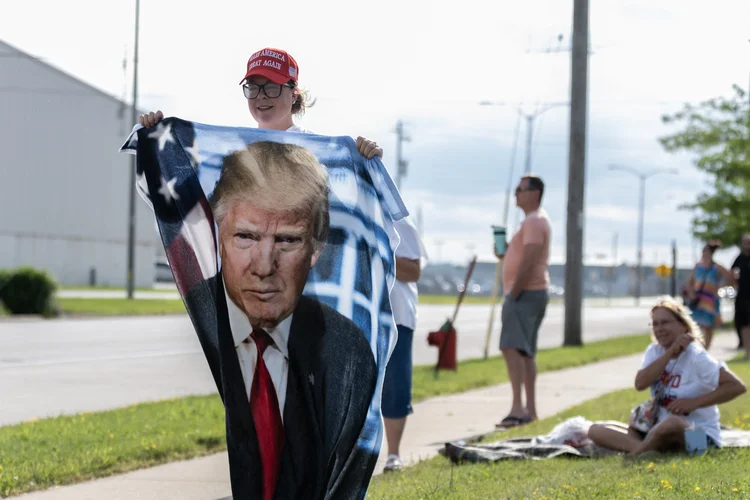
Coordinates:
[331,410]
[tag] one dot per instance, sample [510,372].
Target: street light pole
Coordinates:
[131,201]
[529,138]
[641,210]
[530,117]
[642,177]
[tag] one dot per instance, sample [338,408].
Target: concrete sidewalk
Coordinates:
[434,422]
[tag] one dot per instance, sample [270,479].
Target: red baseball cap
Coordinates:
[275,64]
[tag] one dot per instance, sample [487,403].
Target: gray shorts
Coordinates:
[521,320]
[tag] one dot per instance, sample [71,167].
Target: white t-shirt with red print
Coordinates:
[693,373]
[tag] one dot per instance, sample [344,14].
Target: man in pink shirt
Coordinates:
[526,285]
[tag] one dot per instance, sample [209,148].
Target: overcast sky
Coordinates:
[430,64]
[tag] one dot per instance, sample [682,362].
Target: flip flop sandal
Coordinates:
[510,421]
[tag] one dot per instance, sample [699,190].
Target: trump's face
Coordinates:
[266,256]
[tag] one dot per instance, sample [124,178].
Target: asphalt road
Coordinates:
[70,366]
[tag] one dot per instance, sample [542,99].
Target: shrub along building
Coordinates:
[65,188]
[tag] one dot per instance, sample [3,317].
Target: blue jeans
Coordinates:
[396,402]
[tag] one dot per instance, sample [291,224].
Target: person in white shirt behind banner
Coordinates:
[411,258]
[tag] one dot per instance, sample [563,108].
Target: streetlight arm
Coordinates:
[551,105]
[543,109]
[638,173]
[626,169]
[673,171]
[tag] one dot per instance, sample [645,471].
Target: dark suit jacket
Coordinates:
[331,380]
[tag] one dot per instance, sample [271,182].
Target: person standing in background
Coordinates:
[703,291]
[741,269]
[526,284]
[411,258]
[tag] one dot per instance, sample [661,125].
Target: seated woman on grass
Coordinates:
[695,383]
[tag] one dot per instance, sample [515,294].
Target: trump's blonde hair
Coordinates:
[681,314]
[276,177]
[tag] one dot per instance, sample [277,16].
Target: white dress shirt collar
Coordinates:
[241,327]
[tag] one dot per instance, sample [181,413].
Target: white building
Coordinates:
[64,187]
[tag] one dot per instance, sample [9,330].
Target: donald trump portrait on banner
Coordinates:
[282,249]
[301,375]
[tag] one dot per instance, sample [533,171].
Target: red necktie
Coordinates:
[264,406]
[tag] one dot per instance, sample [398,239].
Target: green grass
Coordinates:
[452,299]
[121,307]
[476,373]
[68,449]
[135,307]
[471,299]
[63,450]
[474,299]
[719,474]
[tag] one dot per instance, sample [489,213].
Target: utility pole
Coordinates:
[131,201]
[401,164]
[576,174]
[642,177]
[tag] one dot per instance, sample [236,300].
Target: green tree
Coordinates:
[717,131]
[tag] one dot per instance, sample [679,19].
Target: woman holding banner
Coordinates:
[274,98]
